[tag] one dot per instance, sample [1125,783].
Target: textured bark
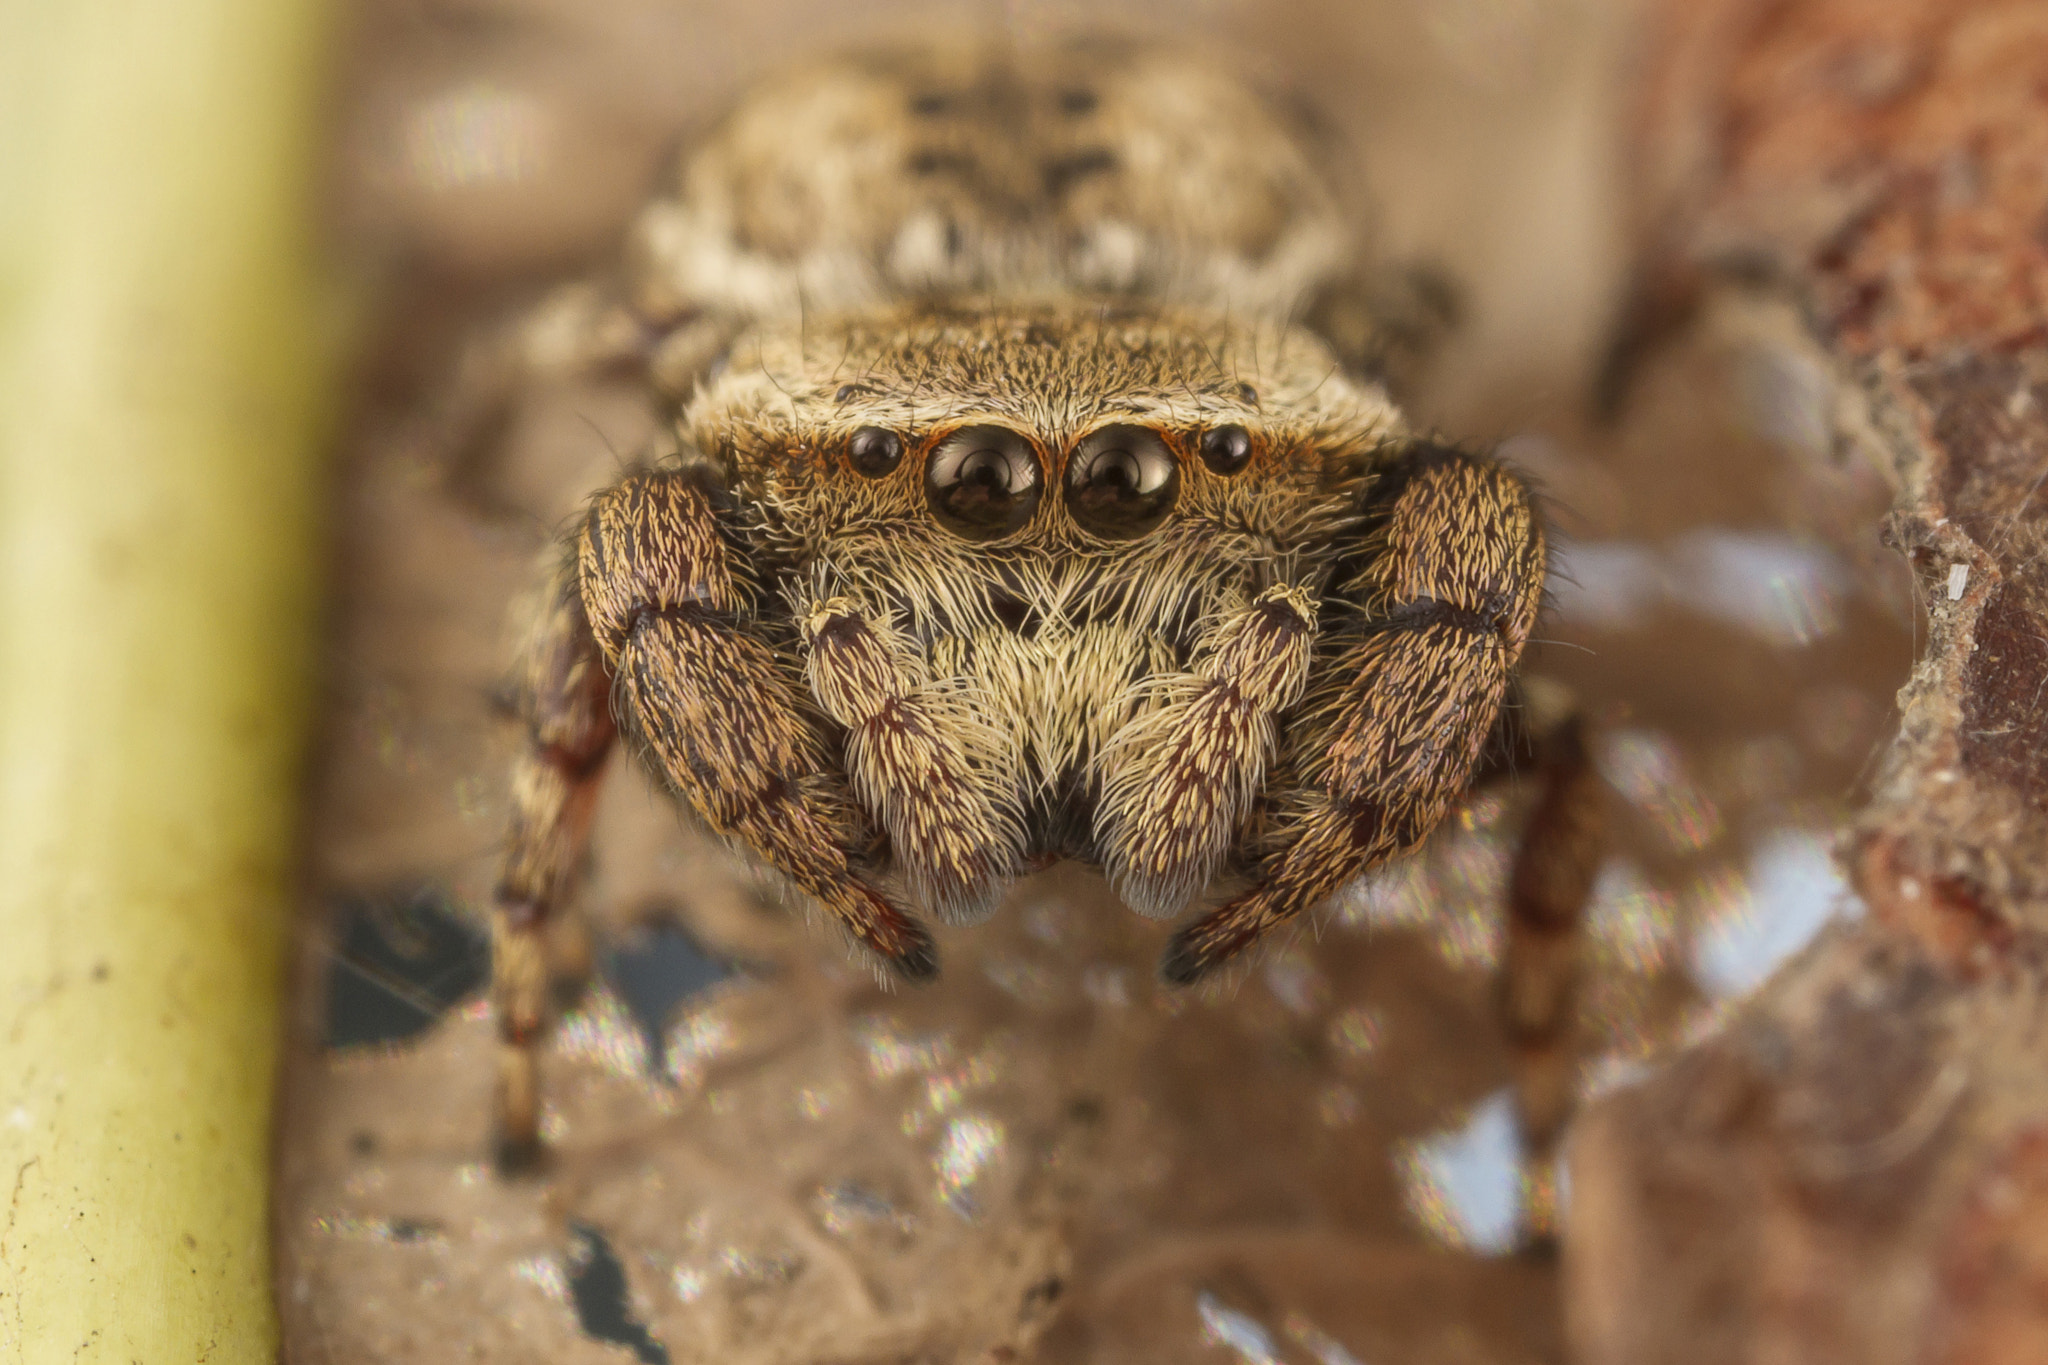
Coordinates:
[1856,1169]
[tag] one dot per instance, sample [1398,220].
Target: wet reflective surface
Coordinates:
[758,1155]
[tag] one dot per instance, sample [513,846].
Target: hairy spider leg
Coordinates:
[1178,781]
[587,329]
[907,753]
[1400,707]
[717,717]
[640,621]
[565,701]
[1555,865]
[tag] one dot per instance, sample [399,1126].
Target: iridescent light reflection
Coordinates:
[943,1091]
[1464,1185]
[1355,1031]
[1029,982]
[1325,1348]
[602,1030]
[351,1228]
[546,1274]
[1237,1332]
[1252,1341]
[970,1143]
[1632,923]
[815,1102]
[1622,1008]
[1469,876]
[1794,889]
[849,1207]
[1106,985]
[1646,768]
[892,1052]
[1393,897]
[1453,888]
[759,1267]
[698,1038]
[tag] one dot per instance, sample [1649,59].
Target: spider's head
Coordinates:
[1022,431]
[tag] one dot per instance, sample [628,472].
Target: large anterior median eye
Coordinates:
[1121,481]
[983,482]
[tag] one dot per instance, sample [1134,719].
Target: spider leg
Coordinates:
[1558,858]
[577,330]
[716,714]
[594,328]
[1177,782]
[908,753]
[564,692]
[1452,582]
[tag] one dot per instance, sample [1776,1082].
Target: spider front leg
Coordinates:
[716,715]
[918,759]
[1177,781]
[1399,712]
[644,614]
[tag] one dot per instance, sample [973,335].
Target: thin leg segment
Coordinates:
[1555,867]
[919,760]
[1452,581]
[715,713]
[564,699]
[1177,782]
[592,327]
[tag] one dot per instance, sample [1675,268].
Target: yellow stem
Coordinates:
[162,389]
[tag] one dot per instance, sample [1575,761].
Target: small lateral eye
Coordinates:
[1121,481]
[874,451]
[1226,449]
[983,483]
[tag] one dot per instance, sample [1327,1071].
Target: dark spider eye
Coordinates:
[983,482]
[874,451]
[1121,481]
[1226,449]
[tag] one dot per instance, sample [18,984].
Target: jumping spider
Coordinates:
[1033,496]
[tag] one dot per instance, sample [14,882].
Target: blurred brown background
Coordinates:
[767,1159]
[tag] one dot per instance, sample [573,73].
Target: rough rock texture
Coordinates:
[1855,1169]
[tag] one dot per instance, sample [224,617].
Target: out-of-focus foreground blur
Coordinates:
[163,378]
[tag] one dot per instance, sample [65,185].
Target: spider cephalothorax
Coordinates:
[940,585]
[1047,550]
